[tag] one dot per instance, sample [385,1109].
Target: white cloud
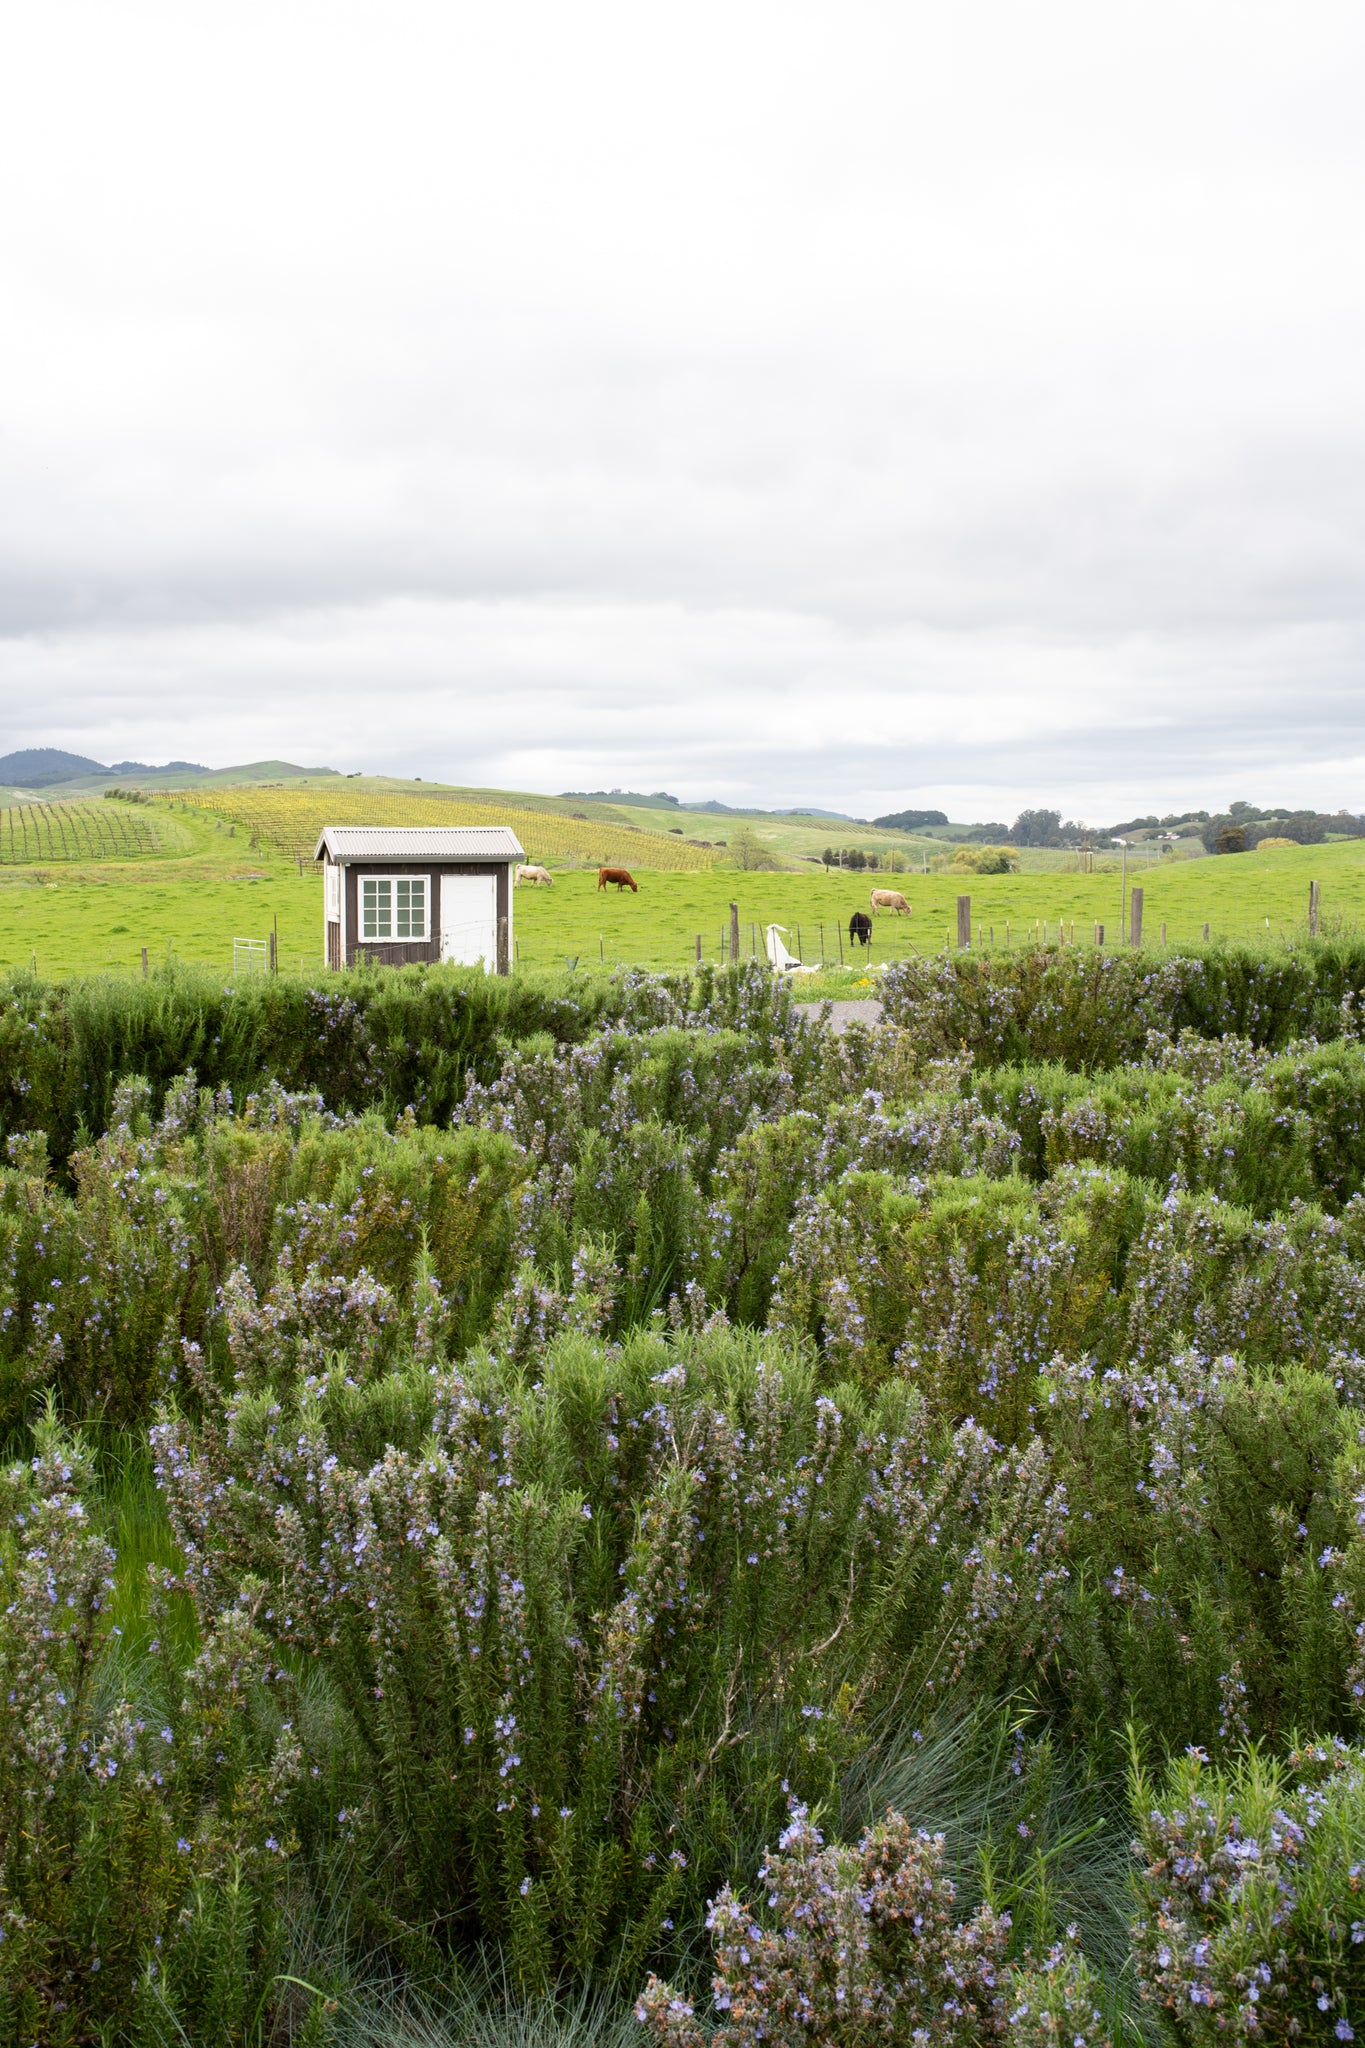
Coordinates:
[839,404]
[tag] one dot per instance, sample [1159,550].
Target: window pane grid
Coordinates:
[412,909]
[393,907]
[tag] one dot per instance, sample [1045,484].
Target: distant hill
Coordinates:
[54,768]
[658,799]
[263,771]
[35,767]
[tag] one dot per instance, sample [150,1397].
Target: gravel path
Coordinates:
[858,1010]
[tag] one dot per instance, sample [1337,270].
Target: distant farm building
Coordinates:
[397,894]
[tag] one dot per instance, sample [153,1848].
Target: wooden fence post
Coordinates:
[1163,932]
[1206,932]
[699,949]
[1099,934]
[734,932]
[1135,919]
[1312,910]
[144,963]
[964,920]
[504,966]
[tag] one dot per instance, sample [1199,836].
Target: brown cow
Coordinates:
[890,899]
[622,877]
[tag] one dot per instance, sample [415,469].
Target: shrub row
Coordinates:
[378,1040]
[1090,1009]
[410,1038]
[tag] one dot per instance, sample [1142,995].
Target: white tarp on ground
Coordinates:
[778,956]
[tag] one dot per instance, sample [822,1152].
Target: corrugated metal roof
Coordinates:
[419,842]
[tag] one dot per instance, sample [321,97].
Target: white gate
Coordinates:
[250,956]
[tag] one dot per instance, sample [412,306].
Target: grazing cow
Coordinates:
[890,899]
[622,877]
[860,929]
[536,874]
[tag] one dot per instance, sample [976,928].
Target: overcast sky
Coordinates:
[848,404]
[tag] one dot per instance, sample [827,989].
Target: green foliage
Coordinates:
[865,1942]
[361,1041]
[1205,1556]
[1093,1010]
[174,1227]
[588,1616]
[1251,1908]
[522,1589]
[966,1286]
[141,1852]
[977,860]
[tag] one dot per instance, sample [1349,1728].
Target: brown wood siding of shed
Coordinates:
[399,953]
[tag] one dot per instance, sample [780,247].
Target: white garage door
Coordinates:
[469,920]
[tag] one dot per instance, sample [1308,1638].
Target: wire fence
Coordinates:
[827,944]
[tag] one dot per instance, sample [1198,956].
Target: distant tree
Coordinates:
[830,857]
[1036,828]
[747,850]
[855,858]
[1232,839]
[979,860]
[909,821]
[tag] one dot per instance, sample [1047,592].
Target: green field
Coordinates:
[187,898]
[204,886]
[1234,896]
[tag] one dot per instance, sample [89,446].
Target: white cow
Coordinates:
[890,899]
[529,873]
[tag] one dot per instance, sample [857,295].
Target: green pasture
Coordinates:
[1244,897]
[206,887]
[187,900]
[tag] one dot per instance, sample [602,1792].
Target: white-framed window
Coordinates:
[394,907]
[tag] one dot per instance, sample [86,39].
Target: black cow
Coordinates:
[860,929]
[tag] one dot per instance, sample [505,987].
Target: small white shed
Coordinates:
[401,893]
